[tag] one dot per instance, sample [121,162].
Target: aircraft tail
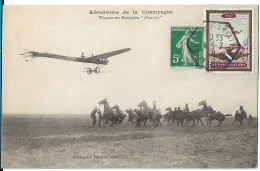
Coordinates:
[27,53]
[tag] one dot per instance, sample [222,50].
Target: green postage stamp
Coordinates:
[187,47]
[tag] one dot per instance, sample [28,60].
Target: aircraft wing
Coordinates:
[109,54]
[98,59]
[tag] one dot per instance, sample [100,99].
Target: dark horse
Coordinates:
[239,116]
[108,114]
[218,116]
[141,118]
[119,117]
[193,116]
[176,116]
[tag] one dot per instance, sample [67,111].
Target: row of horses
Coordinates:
[113,115]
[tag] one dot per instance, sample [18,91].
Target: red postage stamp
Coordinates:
[229,40]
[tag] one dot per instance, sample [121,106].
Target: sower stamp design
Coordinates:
[187,46]
[229,40]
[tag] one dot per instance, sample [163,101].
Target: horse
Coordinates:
[176,116]
[240,116]
[119,117]
[217,116]
[153,114]
[193,116]
[166,117]
[141,118]
[197,114]
[131,116]
[205,111]
[108,114]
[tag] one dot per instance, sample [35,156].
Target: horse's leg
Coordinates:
[247,121]
[234,122]
[171,123]
[106,121]
[207,120]
[220,122]
[210,120]
[157,122]
[95,122]
[112,123]
[154,123]
[200,121]
[144,122]
[99,123]
[241,123]
[134,121]
[196,122]
[193,122]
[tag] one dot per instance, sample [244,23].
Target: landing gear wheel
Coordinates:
[97,70]
[89,71]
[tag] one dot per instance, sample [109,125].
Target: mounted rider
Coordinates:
[144,107]
[179,110]
[186,108]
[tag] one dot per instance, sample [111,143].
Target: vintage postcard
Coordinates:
[130,86]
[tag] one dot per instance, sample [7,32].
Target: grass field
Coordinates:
[71,142]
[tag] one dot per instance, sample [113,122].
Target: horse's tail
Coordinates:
[228,115]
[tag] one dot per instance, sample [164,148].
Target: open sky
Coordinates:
[49,86]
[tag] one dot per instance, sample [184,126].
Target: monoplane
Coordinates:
[101,59]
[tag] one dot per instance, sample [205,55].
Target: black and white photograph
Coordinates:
[129,86]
